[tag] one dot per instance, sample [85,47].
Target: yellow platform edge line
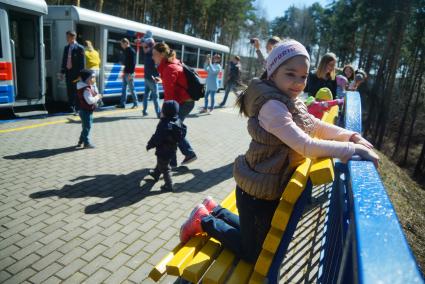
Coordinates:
[96,115]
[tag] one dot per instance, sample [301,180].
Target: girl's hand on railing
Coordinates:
[366,154]
[358,139]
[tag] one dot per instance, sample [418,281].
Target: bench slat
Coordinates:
[159,270]
[200,263]
[241,273]
[264,262]
[281,216]
[257,278]
[185,255]
[297,183]
[272,240]
[220,268]
[229,200]
[322,172]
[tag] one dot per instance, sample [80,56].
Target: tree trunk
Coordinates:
[318,56]
[362,47]
[389,90]
[99,6]
[400,132]
[412,124]
[420,165]
[400,30]
[143,11]
[377,85]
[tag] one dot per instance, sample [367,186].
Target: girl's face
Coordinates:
[291,77]
[331,66]
[157,56]
[91,80]
[348,73]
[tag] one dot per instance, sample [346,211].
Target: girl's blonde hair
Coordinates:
[324,61]
[89,44]
[349,66]
[165,50]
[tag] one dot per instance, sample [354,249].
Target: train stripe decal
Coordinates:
[6,71]
[6,94]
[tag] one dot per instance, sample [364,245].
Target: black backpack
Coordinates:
[195,88]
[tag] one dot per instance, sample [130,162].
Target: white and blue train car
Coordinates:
[106,31]
[22,68]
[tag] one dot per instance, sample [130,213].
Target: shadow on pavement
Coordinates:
[39,154]
[121,190]
[125,190]
[202,180]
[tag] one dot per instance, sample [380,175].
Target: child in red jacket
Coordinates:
[323,102]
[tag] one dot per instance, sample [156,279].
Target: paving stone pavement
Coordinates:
[89,216]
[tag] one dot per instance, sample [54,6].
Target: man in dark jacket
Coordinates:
[73,60]
[169,132]
[234,78]
[151,88]
[129,62]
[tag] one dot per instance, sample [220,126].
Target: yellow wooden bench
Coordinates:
[204,258]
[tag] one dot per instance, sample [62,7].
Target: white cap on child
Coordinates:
[282,52]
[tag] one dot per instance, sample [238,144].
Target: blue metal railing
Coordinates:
[369,244]
[363,240]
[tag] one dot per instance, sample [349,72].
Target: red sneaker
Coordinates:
[193,225]
[209,203]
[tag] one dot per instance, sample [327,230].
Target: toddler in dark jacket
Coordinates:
[169,132]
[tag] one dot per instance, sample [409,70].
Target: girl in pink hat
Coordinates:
[282,134]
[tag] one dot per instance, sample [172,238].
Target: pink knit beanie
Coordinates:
[282,52]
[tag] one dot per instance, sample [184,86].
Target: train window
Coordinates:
[114,50]
[203,57]
[47,41]
[190,56]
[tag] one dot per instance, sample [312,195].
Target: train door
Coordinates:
[25,45]
[7,86]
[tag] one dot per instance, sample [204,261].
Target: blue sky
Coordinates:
[276,8]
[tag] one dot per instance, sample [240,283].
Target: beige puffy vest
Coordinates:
[266,167]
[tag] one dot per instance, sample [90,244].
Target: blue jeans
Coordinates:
[244,234]
[151,89]
[128,79]
[231,86]
[184,146]
[86,123]
[207,94]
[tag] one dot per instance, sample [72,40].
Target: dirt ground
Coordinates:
[408,199]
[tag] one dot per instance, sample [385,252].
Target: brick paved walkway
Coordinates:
[89,216]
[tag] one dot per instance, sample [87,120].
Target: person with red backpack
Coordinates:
[87,98]
[176,87]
